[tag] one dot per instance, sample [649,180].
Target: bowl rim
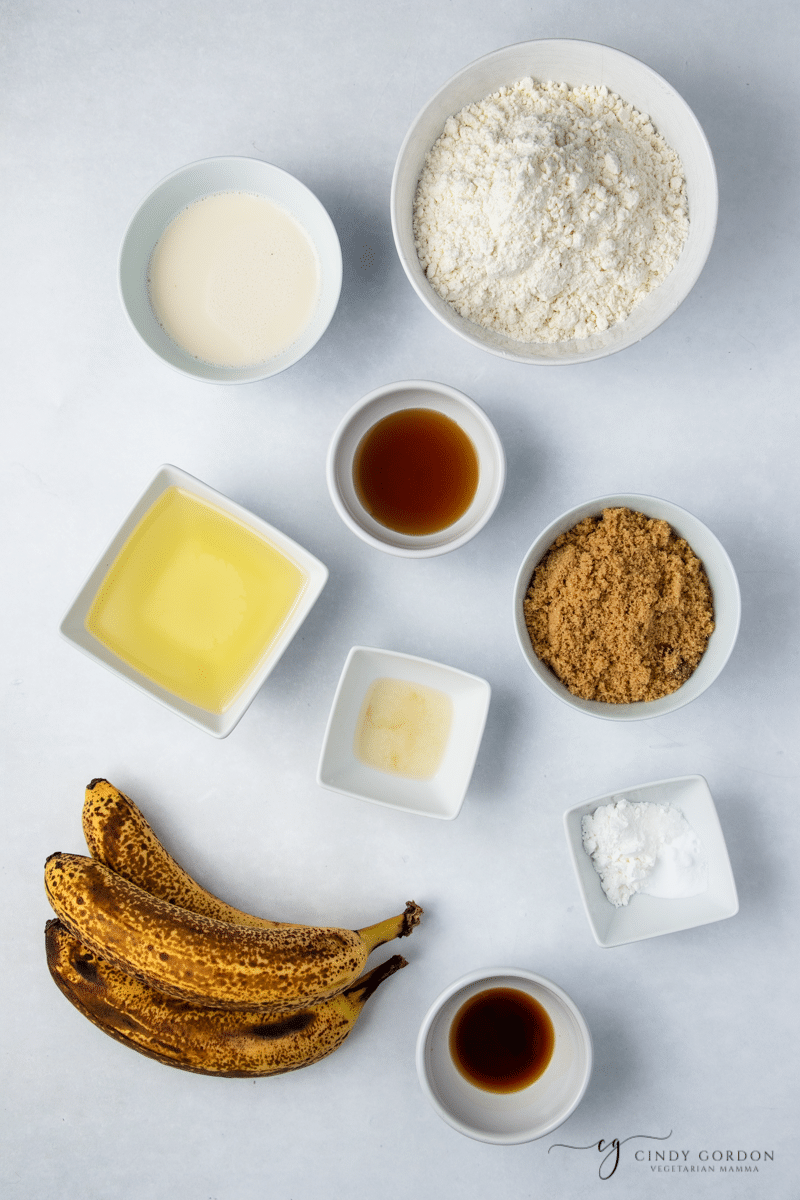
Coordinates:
[434,389]
[424,290]
[642,709]
[72,627]
[250,374]
[487,974]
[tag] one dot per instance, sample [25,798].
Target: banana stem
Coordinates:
[362,989]
[393,927]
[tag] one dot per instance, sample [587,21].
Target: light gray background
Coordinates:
[694,1033]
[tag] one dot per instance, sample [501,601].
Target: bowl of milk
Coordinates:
[230,270]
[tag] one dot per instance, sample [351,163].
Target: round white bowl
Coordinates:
[516,1116]
[724,587]
[416,393]
[578,64]
[175,193]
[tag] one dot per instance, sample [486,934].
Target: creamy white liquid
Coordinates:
[234,279]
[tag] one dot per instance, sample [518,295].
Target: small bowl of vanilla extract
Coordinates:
[416,468]
[504,1055]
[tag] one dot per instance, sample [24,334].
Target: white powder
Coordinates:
[644,847]
[547,212]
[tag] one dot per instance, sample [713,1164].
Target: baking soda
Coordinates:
[644,847]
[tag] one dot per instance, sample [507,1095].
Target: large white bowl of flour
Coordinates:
[488,238]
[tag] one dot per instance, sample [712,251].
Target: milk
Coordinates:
[234,279]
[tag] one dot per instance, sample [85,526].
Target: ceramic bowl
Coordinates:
[442,795]
[649,916]
[391,398]
[194,182]
[721,576]
[219,724]
[514,1117]
[578,64]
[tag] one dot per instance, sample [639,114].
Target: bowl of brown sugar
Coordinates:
[626,607]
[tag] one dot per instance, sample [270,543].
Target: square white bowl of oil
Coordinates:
[404,732]
[194,601]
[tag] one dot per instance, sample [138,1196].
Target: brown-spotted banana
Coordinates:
[205,1040]
[118,835]
[204,960]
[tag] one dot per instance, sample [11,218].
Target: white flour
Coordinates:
[547,213]
[644,847]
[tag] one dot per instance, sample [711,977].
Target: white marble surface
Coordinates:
[695,1033]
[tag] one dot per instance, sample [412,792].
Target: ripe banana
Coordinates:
[204,960]
[204,1040]
[119,836]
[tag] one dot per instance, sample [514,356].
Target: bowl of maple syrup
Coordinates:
[416,468]
[504,1055]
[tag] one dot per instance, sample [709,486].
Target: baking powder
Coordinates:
[547,212]
[644,847]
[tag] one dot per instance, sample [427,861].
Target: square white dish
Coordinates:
[649,916]
[219,724]
[340,770]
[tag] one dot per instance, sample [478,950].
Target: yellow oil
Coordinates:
[194,600]
[403,728]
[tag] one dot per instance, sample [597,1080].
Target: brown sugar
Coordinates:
[620,608]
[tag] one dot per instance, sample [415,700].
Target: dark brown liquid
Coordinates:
[416,471]
[502,1040]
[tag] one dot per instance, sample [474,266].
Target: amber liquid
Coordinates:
[502,1040]
[416,471]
